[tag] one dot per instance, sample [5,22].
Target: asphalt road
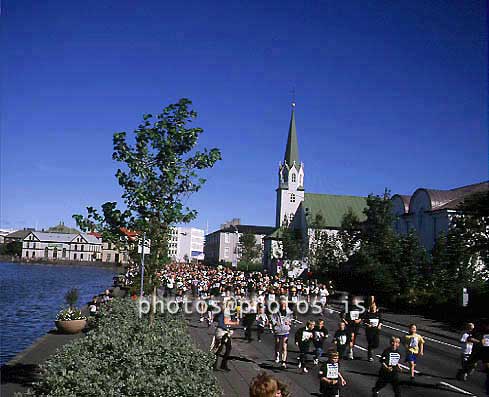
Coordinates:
[436,377]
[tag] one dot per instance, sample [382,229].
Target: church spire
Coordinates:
[292,150]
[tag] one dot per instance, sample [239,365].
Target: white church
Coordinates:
[297,209]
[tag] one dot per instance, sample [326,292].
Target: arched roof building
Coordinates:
[429,212]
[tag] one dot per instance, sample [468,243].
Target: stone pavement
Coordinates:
[20,372]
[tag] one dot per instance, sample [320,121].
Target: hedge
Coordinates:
[123,356]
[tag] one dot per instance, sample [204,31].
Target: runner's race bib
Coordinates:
[306,336]
[342,339]
[354,314]
[332,371]
[394,359]
[413,343]
[485,340]
[374,322]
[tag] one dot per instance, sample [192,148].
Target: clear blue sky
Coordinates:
[389,94]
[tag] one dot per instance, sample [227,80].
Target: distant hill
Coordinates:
[61,228]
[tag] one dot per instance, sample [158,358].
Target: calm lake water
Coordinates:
[32,294]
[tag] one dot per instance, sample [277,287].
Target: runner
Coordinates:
[303,338]
[389,371]
[281,322]
[330,377]
[414,344]
[340,339]
[373,322]
[222,338]
[480,351]
[320,335]
[262,322]
[352,318]
[467,347]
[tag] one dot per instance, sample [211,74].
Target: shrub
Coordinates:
[123,355]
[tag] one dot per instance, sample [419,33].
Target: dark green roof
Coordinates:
[292,149]
[275,235]
[332,207]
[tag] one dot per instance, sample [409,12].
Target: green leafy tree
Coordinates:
[473,226]
[316,236]
[349,234]
[158,173]
[249,249]
[292,244]
[374,267]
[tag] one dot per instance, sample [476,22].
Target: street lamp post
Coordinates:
[142,267]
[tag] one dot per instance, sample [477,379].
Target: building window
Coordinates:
[81,256]
[46,252]
[33,254]
[34,245]
[226,252]
[55,253]
[108,257]
[27,254]
[82,247]
[226,237]
[64,252]
[74,256]
[76,247]
[293,177]
[292,198]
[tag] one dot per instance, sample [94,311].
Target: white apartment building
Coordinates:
[186,244]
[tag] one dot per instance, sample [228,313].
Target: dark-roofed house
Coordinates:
[297,209]
[223,244]
[429,212]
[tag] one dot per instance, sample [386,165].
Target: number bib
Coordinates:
[354,315]
[394,359]
[332,371]
[485,340]
[342,339]
[374,322]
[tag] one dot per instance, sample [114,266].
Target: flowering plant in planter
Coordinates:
[70,314]
[71,320]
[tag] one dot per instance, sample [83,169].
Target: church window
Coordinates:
[292,198]
[293,177]
[291,217]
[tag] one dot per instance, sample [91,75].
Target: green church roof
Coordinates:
[332,207]
[292,149]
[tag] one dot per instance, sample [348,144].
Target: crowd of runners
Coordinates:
[260,303]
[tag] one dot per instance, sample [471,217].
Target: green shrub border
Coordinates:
[123,355]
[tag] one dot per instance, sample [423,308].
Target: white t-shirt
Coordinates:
[467,348]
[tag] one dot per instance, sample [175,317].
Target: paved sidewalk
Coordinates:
[19,373]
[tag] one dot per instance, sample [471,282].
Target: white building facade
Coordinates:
[61,246]
[186,244]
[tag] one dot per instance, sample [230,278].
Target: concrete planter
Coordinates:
[70,326]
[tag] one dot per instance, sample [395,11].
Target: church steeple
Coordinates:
[290,191]
[292,149]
